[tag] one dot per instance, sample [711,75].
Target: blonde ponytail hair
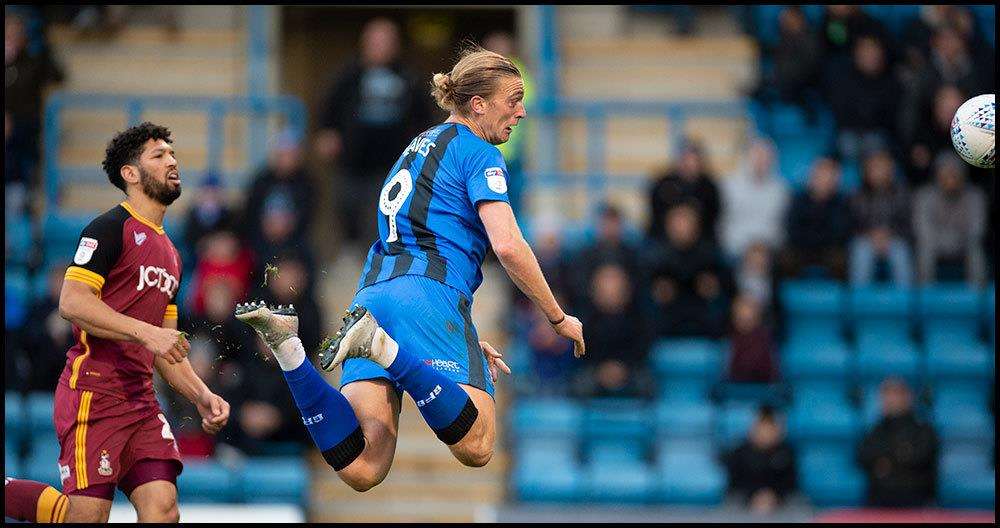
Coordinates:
[477,72]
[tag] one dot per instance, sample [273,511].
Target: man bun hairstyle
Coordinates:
[477,72]
[126,147]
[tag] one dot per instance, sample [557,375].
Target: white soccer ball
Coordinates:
[972,131]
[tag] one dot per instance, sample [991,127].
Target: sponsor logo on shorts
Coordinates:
[312,420]
[85,251]
[63,473]
[430,397]
[104,468]
[443,364]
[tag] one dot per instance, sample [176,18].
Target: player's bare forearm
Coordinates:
[517,257]
[181,376]
[79,304]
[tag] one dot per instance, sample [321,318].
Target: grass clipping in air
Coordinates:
[269,269]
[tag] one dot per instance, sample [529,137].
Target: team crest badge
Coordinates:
[104,468]
[140,237]
[85,251]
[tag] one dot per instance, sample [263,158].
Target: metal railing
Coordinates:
[215,109]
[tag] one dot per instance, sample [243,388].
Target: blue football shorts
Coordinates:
[427,318]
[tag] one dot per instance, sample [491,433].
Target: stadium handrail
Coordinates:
[216,109]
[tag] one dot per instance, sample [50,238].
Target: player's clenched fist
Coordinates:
[571,328]
[167,343]
[214,412]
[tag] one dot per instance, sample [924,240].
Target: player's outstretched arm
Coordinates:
[79,304]
[519,260]
[181,376]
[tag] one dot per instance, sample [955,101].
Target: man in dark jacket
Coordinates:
[688,181]
[819,223]
[900,453]
[373,109]
[762,469]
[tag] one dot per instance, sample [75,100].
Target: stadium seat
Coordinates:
[690,476]
[990,313]
[16,301]
[685,419]
[752,393]
[42,461]
[814,310]
[830,391]
[11,456]
[208,481]
[684,390]
[619,483]
[612,453]
[829,476]
[956,361]
[881,359]
[826,421]
[688,359]
[61,232]
[274,480]
[18,243]
[622,421]
[967,479]
[13,418]
[961,422]
[880,312]
[546,417]
[803,360]
[558,483]
[796,156]
[40,406]
[733,424]
[949,305]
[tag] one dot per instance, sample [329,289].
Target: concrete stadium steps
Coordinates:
[712,68]
[425,484]
[142,59]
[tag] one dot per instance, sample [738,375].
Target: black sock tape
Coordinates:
[342,454]
[460,427]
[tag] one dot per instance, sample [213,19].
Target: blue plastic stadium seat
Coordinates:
[684,390]
[11,458]
[961,422]
[829,476]
[690,476]
[796,156]
[18,233]
[557,483]
[833,391]
[16,300]
[275,480]
[751,393]
[958,362]
[548,450]
[622,421]
[13,419]
[612,453]
[733,423]
[61,232]
[619,483]
[687,358]
[949,305]
[881,359]
[42,462]
[990,311]
[967,479]
[881,311]
[827,421]
[208,481]
[804,360]
[547,417]
[685,419]
[813,297]
[961,392]
[941,333]
[40,406]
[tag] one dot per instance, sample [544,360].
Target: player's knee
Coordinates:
[162,511]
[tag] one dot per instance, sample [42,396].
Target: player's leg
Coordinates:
[326,413]
[476,448]
[30,501]
[376,405]
[156,501]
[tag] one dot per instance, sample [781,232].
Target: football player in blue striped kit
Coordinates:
[410,329]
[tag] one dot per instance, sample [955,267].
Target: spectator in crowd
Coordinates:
[899,455]
[688,280]
[818,223]
[503,43]
[881,220]
[757,277]
[616,342]
[934,135]
[840,28]
[291,284]
[754,202]
[688,180]
[222,258]
[547,241]
[372,110]
[278,237]
[863,96]
[47,336]
[762,468]
[949,220]
[752,355]
[551,355]
[27,73]
[610,247]
[209,213]
[795,59]
[285,181]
